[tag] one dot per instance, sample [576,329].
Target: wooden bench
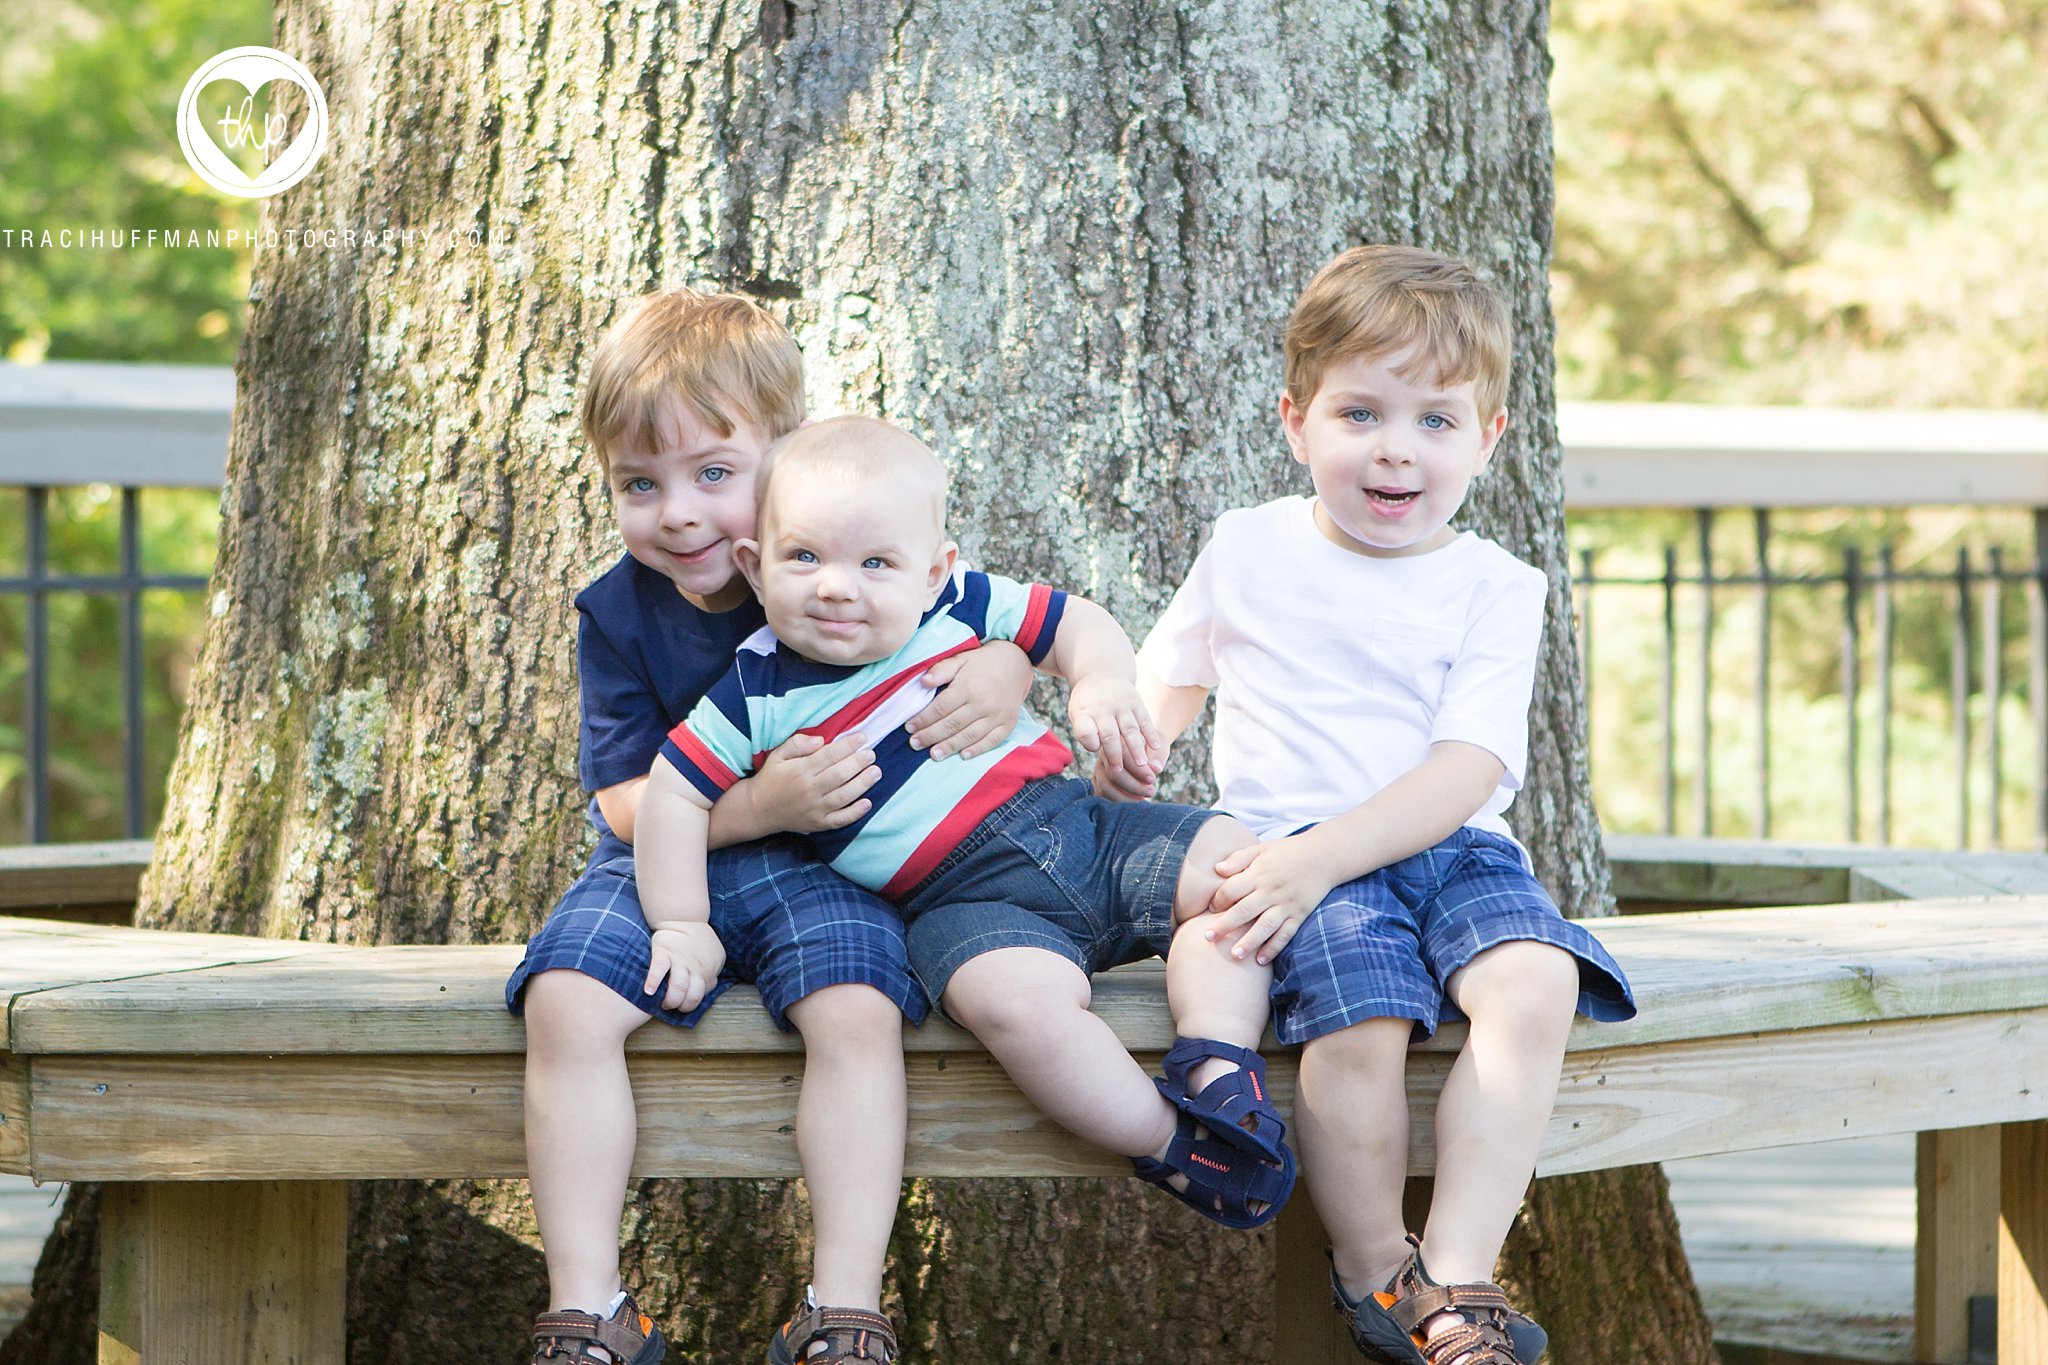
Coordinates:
[228,1088]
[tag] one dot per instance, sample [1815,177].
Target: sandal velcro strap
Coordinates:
[566,1323]
[1235,1105]
[1223,1182]
[1418,1305]
[1466,1344]
[628,1335]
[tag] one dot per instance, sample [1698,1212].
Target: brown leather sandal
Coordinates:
[852,1336]
[1489,1332]
[629,1335]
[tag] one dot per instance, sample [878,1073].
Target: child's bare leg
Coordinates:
[1496,1102]
[1351,1122]
[1029,1008]
[579,1131]
[1211,993]
[849,1136]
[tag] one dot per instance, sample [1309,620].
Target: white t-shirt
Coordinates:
[1334,672]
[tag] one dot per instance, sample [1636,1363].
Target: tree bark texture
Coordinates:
[1057,238]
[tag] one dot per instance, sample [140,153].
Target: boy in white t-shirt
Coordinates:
[1372,670]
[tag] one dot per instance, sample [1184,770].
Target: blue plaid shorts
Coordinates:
[1384,945]
[789,924]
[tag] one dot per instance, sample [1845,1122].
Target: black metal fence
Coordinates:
[34,587]
[1866,589]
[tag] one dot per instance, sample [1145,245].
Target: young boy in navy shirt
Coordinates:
[683,397]
[1372,731]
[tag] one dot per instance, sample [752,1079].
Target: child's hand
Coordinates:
[1110,721]
[984,694]
[1118,782]
[689,955]
[807,785]
[1271,888]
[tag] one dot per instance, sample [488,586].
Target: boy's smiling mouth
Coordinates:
[1393,497]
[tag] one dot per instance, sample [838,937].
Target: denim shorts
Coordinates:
[1386,944]
[1059,868]
[788,922]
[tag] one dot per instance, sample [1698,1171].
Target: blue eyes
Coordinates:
[639,485]
[874,562]
[1359,417]
[717,473]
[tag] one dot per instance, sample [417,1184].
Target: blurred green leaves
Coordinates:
[1832,202]
[88,140]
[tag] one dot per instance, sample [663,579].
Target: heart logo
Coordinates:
[252,68]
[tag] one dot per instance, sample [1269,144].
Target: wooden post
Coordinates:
[223,1273]
[1955,1255]
[1306,1330]
[2023,1245]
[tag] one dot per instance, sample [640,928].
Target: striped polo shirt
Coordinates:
[921,808]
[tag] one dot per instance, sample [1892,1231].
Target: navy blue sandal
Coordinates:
[1236,1188]
[1236,1106]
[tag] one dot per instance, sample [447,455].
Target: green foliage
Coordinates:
[1826,203]
[88,102]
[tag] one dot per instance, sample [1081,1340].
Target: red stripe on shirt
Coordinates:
[1043,757]
[849,716]
[699,754]
[1034,617]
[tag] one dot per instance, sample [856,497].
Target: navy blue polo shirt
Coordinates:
[644,655]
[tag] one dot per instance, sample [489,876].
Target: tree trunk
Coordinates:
[1059,240]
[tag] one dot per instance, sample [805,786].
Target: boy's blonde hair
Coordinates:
[854,450]
[720,355]
[1377,301]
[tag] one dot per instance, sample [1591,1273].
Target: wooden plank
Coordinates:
[2023,1246]
[1696,975]
[1956,1252]
[44,955]
[235,1273]
[1733,1094]
[71,874]
[124,1259]
[1725,871]
[1753,872]
[307,1117]
[14,1099]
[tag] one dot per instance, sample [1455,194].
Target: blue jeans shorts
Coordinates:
[789,924]
[1385,945]
[1059,868]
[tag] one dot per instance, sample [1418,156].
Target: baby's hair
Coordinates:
[854,449]
[719,355]
[1378,301]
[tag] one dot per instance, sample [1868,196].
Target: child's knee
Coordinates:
[1198,876]
[847,1017]
[1014,991]
[1372,1048]
[566,1010]
[1523,985]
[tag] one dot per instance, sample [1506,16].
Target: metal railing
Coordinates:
[1755,460]
[138,428]
[134,428]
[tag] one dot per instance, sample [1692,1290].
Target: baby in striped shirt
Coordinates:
[1017,883]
